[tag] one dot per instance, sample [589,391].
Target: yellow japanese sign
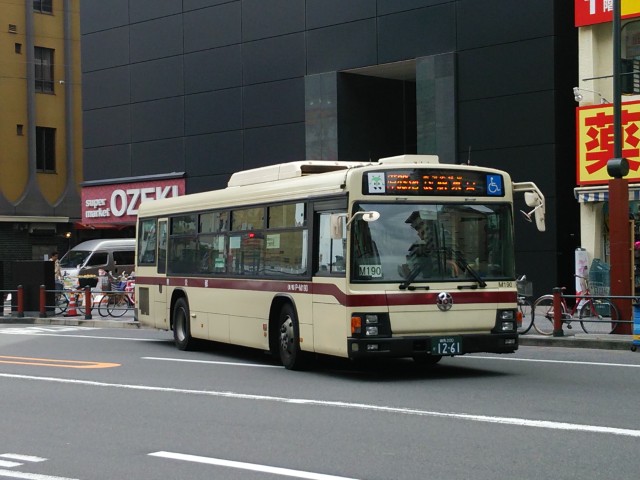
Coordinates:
[594,132]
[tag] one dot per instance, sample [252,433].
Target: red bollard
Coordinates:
[87,303]
[557,312]
[20,301]
[43,301]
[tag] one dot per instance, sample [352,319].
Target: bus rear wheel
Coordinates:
[181,328]
[289,339]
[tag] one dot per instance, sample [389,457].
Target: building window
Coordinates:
[43,6]
[45,149]
[19,129]
[44,69]
[19,48]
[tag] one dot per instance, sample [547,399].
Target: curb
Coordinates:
[601,342]
[70,321]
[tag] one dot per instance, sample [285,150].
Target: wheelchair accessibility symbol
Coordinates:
[494,185]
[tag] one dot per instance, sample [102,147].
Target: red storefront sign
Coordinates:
[595,142]
[118,204]
[590,12]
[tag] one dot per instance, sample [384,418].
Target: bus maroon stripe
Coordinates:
[353,300]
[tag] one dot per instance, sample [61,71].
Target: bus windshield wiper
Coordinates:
[464,265]
[406,285]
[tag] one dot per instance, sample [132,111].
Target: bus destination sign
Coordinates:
[434,182]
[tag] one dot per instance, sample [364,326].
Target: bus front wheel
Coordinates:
[181,328]
[289,339]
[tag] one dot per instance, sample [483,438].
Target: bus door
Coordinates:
[160,298]
[329,283]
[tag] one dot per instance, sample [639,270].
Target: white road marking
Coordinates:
[30,476]
[566,362]
[238,364]
[521,422]
[248,466]
[18,331]
[7,464]
[24,458]
[41,330]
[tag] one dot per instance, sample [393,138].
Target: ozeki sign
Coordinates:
[118,204]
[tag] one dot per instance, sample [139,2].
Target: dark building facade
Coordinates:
[199,89]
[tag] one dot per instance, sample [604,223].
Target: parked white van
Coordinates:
[87,258]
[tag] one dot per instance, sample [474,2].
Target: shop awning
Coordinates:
[600,193]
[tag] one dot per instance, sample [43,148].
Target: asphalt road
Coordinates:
[91,403]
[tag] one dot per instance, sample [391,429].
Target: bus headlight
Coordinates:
[370,324]
[507,315]
[507,327]
[505,321]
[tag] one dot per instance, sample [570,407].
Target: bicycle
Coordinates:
[525,308]
[590,310]
[116,302]
[61,302]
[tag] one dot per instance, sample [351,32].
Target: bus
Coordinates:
[404,257]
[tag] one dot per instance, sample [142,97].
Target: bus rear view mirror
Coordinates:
[338,222]
[533,200]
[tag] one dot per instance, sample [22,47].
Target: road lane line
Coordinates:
[248,466]
[67,335]
[24,458]
[568,362]
[48,362]
[8,464]
[211,362]
[31,476]
[514,421]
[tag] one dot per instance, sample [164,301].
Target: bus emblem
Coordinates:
[445,301]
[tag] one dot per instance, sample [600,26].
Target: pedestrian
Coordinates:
[57,271]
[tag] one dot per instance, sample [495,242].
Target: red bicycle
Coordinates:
[596,314]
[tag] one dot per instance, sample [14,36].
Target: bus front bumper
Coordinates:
[432,345]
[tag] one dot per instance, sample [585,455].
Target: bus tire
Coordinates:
[181,327]
[289,339]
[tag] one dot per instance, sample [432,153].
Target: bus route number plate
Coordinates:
[446,345]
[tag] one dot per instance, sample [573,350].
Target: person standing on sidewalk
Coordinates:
[57,271]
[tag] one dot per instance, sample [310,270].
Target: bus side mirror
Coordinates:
[532,199]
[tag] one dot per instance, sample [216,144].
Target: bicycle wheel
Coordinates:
[62,302]
[526,309]
[599,316]
[103,305]
[80,302]
[116,305]
[543,315]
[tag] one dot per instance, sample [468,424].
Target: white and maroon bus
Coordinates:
[405,257]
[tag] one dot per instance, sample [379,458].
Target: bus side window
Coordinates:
[331,250]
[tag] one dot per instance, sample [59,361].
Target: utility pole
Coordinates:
[617,168]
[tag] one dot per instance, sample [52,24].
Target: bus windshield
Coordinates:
[433,242]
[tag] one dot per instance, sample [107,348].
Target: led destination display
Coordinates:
[434,182]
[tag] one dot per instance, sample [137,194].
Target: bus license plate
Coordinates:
[446,345]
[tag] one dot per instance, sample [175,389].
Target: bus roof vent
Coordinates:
[287,170]
[411,159]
